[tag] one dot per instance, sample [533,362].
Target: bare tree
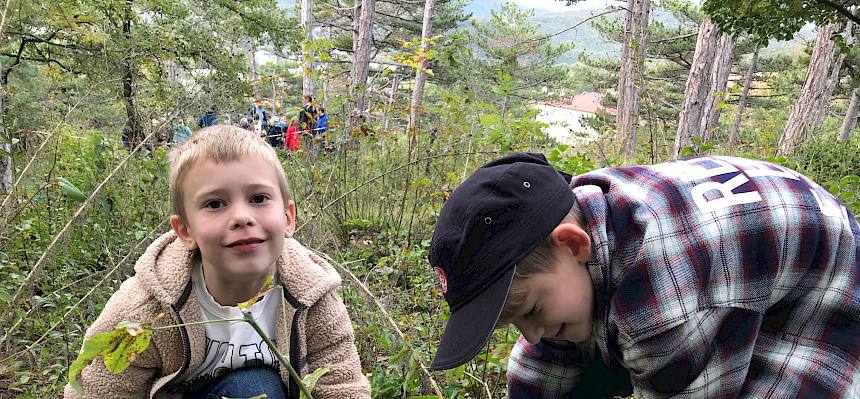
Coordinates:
[133,124]
[252,57]
[742,102]
[630,75]
[808,112]
[850,120]
[361,60]
[308,25]
[420,75]
[395,84]
[710,69]
[5,136]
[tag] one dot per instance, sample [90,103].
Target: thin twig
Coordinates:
[609,11]
[34,272]
[75,306]
[482,383]
[334,201]
[385,314]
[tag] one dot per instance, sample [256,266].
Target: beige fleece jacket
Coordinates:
[317,333]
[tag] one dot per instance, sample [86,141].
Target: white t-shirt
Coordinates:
[230,345]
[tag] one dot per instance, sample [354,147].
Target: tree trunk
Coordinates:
[135,130]
[630,74]
[5,137]
[421,76]
[252,59]
[719,79]
[850,120]
[361,60]
[171,72]
[710,69]
[395,84]
[308,53]
[742,102]
[808,112]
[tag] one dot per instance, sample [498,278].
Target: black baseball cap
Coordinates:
[489,223]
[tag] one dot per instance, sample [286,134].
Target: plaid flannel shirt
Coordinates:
[713,277]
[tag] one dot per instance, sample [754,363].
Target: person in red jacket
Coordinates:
[293,137]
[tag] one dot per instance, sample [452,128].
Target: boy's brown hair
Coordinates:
[220,144]
[540,260]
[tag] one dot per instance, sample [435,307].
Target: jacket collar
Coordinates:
[165,271]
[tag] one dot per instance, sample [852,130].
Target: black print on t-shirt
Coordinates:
[223,357]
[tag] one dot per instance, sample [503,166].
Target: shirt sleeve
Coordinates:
[708,355]
[544,370]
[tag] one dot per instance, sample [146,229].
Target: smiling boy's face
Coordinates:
[236,216]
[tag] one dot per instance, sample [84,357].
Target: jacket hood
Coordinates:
[164,270]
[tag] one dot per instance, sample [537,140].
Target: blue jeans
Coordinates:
[247,382]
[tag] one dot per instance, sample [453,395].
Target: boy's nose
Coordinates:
[240,217]
[532,333]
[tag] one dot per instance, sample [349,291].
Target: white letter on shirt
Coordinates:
[728,198]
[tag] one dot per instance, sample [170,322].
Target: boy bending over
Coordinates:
[710,277]
[233,224]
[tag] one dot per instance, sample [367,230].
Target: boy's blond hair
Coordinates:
[540,260]
[220,144]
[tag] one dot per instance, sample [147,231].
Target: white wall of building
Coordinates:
[564,124]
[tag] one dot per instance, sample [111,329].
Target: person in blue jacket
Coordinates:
[209,118]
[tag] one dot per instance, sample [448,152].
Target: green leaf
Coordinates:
[399,355]
[310,380]
[131,345]
[93,347]
[70,190]
[118,348]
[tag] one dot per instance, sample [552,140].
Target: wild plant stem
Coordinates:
[388,317]
[295,376]
[194,323]
[78,303]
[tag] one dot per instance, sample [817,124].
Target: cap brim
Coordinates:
[470,327]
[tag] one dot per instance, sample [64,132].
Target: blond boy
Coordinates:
[233,224]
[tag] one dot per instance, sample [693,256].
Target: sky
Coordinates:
[559,6]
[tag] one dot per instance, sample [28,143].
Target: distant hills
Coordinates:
[554,16]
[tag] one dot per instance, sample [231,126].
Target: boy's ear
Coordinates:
[182,231]
[290,213]
[574,237]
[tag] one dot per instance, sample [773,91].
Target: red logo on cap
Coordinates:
[442,278]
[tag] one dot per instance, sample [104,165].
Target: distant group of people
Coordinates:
[279,131]
[310,120]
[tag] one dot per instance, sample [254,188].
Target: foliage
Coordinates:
[118,348]
[512,62]
[775,19]
[369,201]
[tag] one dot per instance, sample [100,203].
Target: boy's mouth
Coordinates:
[244,242]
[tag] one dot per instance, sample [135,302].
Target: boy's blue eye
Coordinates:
[215,204]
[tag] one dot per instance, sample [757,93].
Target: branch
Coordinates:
[670,39]
[387,316]
[840,9]
[611,10]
